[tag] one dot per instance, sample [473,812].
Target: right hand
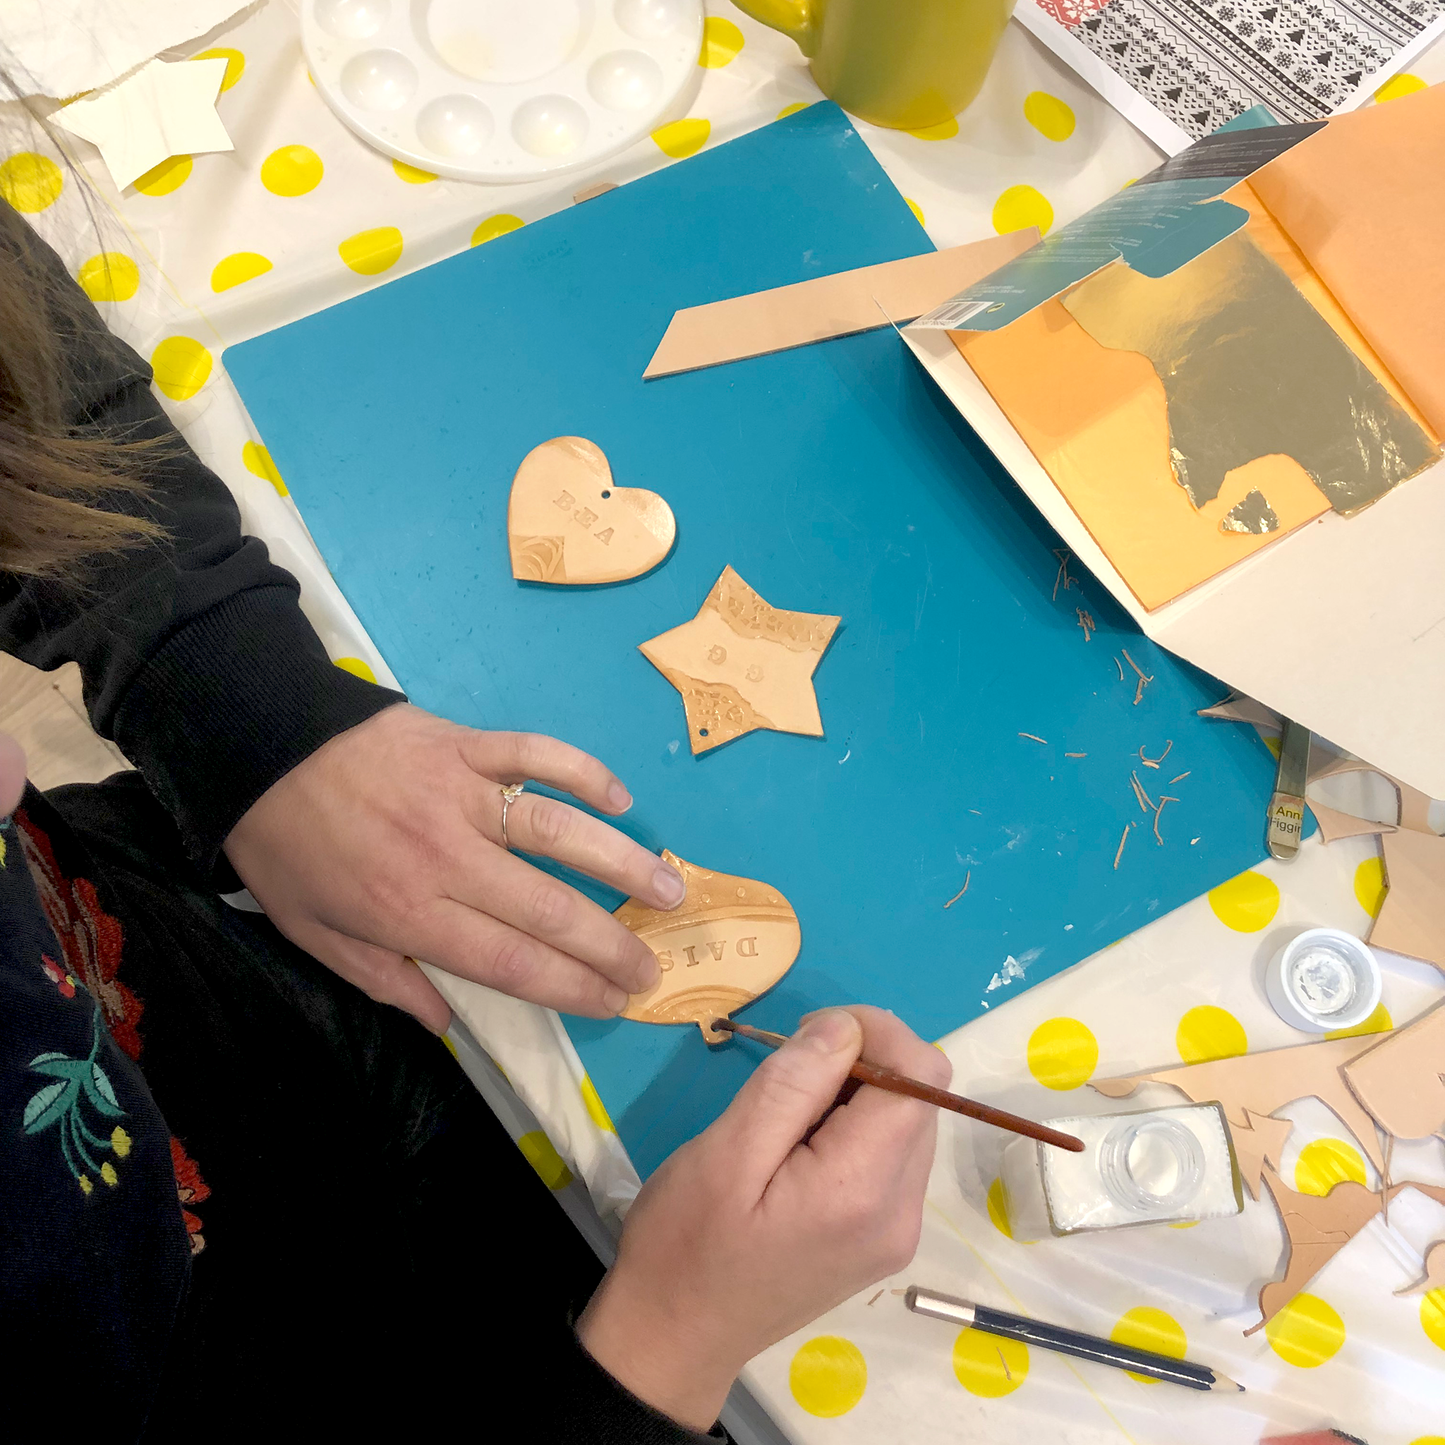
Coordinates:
[747,1232]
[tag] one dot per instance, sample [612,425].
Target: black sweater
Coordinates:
[199,664]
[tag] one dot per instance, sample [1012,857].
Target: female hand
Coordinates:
[747,1232]
[385,846]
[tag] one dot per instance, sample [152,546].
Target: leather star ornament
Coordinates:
[741,664]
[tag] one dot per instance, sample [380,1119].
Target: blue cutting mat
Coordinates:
[836,479]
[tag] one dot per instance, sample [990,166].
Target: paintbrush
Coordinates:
[895,1083]
[1067,1342]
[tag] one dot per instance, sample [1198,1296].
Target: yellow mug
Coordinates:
[900,63]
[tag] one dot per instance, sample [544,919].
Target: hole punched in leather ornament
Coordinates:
[567,524]
[728,941]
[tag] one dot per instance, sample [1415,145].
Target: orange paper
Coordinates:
[1363,202]
[1097,421]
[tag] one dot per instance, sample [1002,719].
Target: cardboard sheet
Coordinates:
[1365,203]
[837,305]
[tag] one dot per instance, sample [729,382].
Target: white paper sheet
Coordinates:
[152,114]
[63,47]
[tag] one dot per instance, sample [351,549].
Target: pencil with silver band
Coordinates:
[1066,1341]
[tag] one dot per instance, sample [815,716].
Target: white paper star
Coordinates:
[158,111]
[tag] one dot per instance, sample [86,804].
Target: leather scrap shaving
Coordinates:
[1163,798]
[1008,1374]
[961,891]
[1034,737]
[1179,778]
[876,1298]
[1146,803]
[1087,623]
[1154,762]
[1123,838]
[1120,666]
[1063,579]
[1144,678]
[1076,755]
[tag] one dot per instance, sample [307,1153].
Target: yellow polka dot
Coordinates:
[495,226]
[997,1202]
[989,1365]
[1370,885]
[359,667]
[1429,1440]
[1307,1331]
[412,175]
[258,462]
[1049,115]
[372,252]
[239,266]
[543,1157]
[1020,207]
[30,182]
[1246,903]
[1146,1328]
[1272,743]
[596,1109]
[181,365]
[169,176]
[291,171]
[1398,85]
[1184,1224]
[1062,1053]
[111,276]
[793,109]
[1432,1317]
[1378,1022]
[451,1048]
[944,130]
[917,211]
[721,41]
[828,1376]
[1208,1032]
[235,64]
[1323,1163]
[682,138]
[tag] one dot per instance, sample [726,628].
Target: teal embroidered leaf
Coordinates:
[101,1094]
[46,1058]
[59,1067]
[47,1105]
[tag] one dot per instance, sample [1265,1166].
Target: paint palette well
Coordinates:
[491,90]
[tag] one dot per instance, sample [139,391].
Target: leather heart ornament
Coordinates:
[729,940]
[567,523]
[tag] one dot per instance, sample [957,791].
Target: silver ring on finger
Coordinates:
[510,793]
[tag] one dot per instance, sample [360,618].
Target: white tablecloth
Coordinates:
[210,251]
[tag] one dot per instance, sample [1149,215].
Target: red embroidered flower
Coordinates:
[89,936]
[62,980]
[191,1189]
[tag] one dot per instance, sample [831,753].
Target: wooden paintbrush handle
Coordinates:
[896,1083]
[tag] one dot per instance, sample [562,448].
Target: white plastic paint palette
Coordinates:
[501,90]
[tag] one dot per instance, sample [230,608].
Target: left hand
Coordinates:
[385,846]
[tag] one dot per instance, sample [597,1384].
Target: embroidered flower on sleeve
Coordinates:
[65,982]
[78,1084]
